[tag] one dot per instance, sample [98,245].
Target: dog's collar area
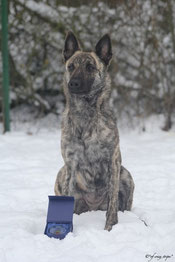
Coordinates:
[89,95]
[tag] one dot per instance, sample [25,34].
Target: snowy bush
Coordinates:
[143,66]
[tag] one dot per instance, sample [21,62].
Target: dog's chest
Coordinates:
[88,146]
[88,154]
[90,161]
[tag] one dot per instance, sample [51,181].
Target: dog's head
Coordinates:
[85,71]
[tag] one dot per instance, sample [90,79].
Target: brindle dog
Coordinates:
[92,173]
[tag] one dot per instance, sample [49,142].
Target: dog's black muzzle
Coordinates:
[78,86]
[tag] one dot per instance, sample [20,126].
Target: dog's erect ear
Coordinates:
[103,49]
[71,46]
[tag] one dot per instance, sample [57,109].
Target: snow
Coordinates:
[29,162]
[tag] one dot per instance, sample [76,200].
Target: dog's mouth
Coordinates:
[79,91]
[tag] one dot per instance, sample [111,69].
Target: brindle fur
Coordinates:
[92,173]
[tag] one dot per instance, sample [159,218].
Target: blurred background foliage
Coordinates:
[143,66]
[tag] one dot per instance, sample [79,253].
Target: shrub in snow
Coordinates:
[143,67]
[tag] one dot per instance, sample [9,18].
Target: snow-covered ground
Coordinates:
[29,162]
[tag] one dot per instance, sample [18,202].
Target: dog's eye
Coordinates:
[71,67]
[90,67]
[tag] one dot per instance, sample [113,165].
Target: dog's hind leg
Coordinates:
[80,206]
[62,189]
[126,190]
[62,182]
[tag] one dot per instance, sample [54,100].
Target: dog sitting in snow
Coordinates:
[92,173]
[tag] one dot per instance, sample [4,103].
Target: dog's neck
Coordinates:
[85,111]
[83,103]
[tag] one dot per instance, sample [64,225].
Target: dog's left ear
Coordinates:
[103,49]
[71,46]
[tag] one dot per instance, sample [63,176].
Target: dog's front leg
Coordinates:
[112,209]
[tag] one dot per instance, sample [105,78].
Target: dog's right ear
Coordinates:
[71,46]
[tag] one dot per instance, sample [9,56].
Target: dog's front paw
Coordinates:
[108,227]
[111,219]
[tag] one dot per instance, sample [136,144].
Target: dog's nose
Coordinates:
[74,84]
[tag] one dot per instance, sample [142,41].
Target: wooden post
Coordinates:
[5,82]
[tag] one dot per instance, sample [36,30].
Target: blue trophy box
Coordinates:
[59,216]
